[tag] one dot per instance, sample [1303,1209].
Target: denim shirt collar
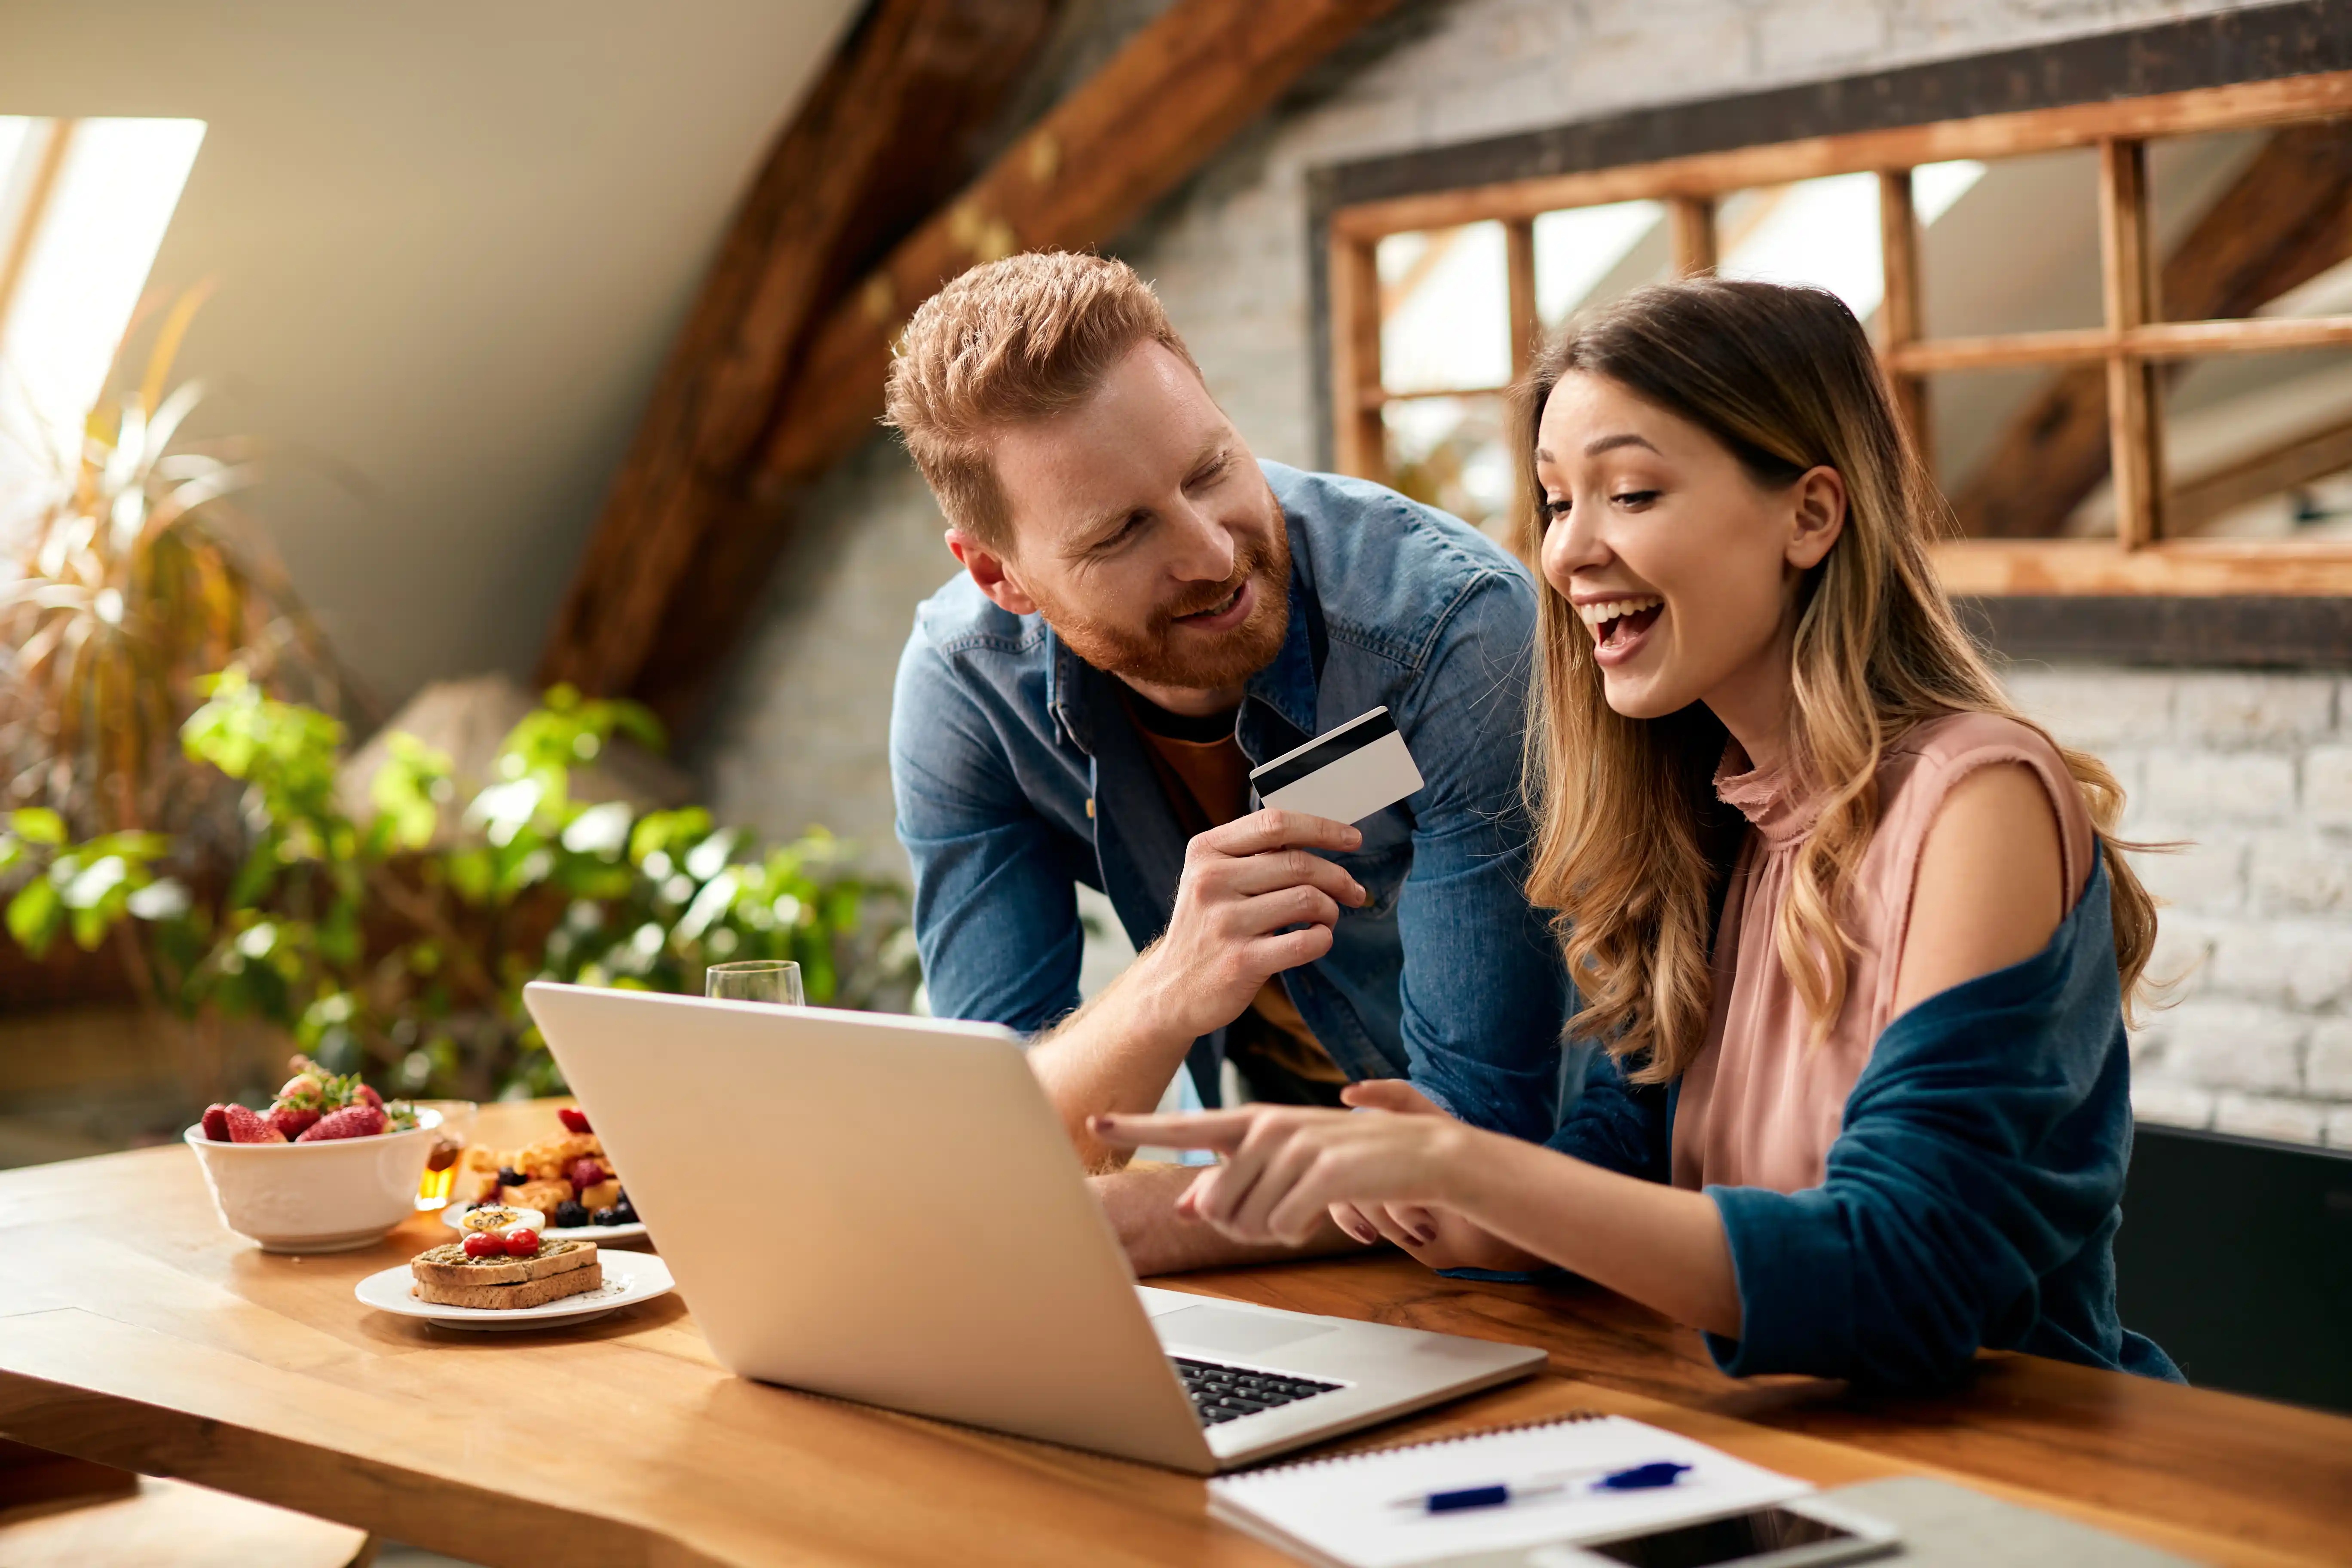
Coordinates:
[1278,709]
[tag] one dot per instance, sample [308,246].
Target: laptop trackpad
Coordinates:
[1236,1333]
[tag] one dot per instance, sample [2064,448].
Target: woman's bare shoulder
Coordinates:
[1991,885]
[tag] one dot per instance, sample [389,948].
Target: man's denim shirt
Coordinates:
[1018,773]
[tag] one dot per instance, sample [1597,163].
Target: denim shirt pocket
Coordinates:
[1381,867]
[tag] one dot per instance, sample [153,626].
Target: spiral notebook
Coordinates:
[1360,1511]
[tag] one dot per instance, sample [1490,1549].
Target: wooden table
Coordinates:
[136,1332]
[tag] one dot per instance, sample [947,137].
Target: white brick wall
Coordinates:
[2252,772]
[2256,770]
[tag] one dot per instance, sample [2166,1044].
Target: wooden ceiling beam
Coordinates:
[2287,220]
[1120,141]
[883,137]
[1148,119]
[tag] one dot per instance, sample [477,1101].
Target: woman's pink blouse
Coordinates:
[1761,1103]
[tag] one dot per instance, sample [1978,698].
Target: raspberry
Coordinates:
[583,1174]
[247,1125]
[350,1122]
[573,1121]
[216,1123]
[522,1243]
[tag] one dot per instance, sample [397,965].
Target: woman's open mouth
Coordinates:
[1619,625]
[1226,613]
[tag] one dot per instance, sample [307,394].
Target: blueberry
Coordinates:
[509,1176]
[627,1211]
[570,1213]
[609,1217]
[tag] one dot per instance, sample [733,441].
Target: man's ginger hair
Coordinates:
[1020,339]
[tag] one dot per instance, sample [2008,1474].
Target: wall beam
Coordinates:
[879,141]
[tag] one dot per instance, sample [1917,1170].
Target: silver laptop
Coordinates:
[886,1209]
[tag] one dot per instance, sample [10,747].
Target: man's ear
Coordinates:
[1817,516]
[987,569]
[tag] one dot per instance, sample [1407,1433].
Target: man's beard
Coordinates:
[1144,652]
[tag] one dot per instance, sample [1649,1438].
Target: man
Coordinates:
[1145,614]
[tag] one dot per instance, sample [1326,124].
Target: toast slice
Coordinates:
[509,1297]
[449,1267]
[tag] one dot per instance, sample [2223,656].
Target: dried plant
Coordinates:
[122,582]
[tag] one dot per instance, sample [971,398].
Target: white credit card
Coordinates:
[1346,773]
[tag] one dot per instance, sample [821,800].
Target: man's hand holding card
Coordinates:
[1255,898]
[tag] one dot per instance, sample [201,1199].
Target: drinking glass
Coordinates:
[451,1137]
[756,980]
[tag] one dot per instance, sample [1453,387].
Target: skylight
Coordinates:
[83,208]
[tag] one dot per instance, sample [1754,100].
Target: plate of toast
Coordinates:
[557,1284]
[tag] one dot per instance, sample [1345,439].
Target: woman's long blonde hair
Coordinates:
[1630,844]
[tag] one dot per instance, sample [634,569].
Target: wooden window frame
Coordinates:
[2139,596]
[2131,342]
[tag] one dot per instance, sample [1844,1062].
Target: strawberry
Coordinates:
[573,1121]
[216,1122]
[350,1122]
[363,1095]
[293,1120]
[247,1125]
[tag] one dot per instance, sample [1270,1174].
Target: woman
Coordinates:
[1851,931]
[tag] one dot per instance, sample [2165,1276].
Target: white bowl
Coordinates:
[335,1195]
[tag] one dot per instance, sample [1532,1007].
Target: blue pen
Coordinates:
[1499,1494]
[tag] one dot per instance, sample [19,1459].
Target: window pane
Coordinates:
[2253,222]
[2259,446]
[2254,446]
[2015,248]
[1825,232]
[1587,256]
[1822,232]
[1446,311]
[2023,453]
[1452,453]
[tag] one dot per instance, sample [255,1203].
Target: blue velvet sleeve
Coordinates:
[1616,1125]
[1971,1196]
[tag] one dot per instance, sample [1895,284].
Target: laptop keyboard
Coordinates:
[1222,1394]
